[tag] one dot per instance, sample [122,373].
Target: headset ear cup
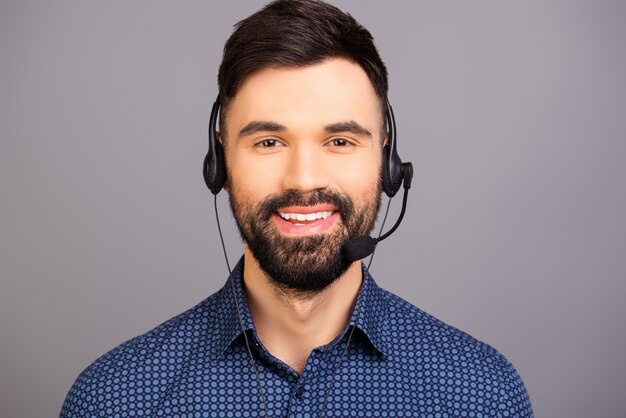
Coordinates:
[220,165]
[392,164]
[395,172]
[384,172]
[391,172]
[207,173]
[214,168]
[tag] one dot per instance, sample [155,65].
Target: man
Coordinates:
[300,328]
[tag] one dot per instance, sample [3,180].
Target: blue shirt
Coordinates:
[401,362]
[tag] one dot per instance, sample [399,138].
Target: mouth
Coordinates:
[306,220]
[303,218]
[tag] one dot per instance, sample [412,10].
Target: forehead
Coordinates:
[307,97]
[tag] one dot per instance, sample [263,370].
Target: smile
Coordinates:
[305,216]
[306,220]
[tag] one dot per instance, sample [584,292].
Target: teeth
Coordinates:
[306,216]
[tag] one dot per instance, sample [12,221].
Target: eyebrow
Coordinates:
[261,126]
[268,126]
[350,126]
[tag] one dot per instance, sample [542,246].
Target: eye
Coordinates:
[340,142]
[268,143]
[341,145]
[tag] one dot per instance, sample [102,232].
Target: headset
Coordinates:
[392,173]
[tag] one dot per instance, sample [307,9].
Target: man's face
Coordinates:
[303,153]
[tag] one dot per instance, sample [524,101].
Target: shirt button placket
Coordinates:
[297,404]
[299,392]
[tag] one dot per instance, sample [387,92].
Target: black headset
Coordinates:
[392,173]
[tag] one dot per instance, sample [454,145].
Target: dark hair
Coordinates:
[296,33]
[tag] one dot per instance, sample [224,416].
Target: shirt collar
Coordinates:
[231,316]
[369,317]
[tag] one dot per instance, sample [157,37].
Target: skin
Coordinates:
[324,133]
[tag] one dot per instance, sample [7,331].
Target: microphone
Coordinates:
[360,247]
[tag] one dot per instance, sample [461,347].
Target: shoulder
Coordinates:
[153,359]
[446,359]
[414,324]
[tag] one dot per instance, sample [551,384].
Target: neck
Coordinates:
[291,324]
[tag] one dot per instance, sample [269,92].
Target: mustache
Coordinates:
[272,203]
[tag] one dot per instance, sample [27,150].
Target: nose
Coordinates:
[306,170]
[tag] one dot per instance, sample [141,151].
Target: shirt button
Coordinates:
[300,392]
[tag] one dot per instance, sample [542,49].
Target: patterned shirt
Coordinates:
[400,362]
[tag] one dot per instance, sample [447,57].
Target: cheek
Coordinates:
[251,179]
[359,178]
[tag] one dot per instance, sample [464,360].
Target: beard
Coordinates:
[303,264]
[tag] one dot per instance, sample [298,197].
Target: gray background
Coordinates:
[511,112]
